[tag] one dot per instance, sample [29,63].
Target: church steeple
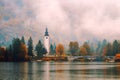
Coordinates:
[46,32]
[47,41]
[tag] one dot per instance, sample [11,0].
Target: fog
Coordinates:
[66,20]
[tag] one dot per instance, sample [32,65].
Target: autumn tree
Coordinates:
[23,54]
[83,51]
[30,47]
[60,49]
[18,49]
[104,52]
[87,47]
[2,53]
[73,47]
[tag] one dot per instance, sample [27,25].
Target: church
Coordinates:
[47,42]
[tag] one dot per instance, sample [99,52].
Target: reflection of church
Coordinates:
[47,42]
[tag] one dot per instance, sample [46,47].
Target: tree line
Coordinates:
[20,51]
[111,49]
[103,48]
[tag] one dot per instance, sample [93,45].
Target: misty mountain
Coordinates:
[70,20]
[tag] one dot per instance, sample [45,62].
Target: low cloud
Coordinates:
[67,20]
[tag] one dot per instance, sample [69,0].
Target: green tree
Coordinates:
[23,40]
[73,47]
[30,47]
[115,47]
[52,49]
[119,47]
[109,50]
[16,44]
[87,47]
[39,48]
[101,46]
[9,49]
[98,49]
[44,51]
[18,50]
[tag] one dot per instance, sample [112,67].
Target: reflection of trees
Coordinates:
[78,72]
[19,71]
[112,72]
[61,71]
[47,71]
[36,71]
[117,70]
[58,71]
[24,68]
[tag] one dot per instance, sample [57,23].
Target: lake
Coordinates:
[59,71]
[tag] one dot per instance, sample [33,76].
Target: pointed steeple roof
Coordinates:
[46,32]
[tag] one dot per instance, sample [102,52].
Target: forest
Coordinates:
[19,50]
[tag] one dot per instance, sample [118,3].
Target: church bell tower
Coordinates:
[47,41]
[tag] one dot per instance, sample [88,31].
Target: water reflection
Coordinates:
[47,72]
[59,71]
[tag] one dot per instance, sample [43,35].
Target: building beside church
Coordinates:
[47,42]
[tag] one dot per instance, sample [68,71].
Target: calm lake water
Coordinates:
[59,71]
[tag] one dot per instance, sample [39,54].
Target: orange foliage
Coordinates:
[83,51]
[23,51]
[2,53]
[117,56]
[104,52]
[60,49]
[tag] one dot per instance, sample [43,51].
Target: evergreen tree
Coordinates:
[115,47]
[23,40]
[101,46]
[30,47]
[119,47]
[16,47]
[9,49]
[51,49]
[109,51]
[40,49]
[104,43]
[54,48]
[44,51]
[98,49]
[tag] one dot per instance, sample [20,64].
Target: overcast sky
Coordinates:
[67,20]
